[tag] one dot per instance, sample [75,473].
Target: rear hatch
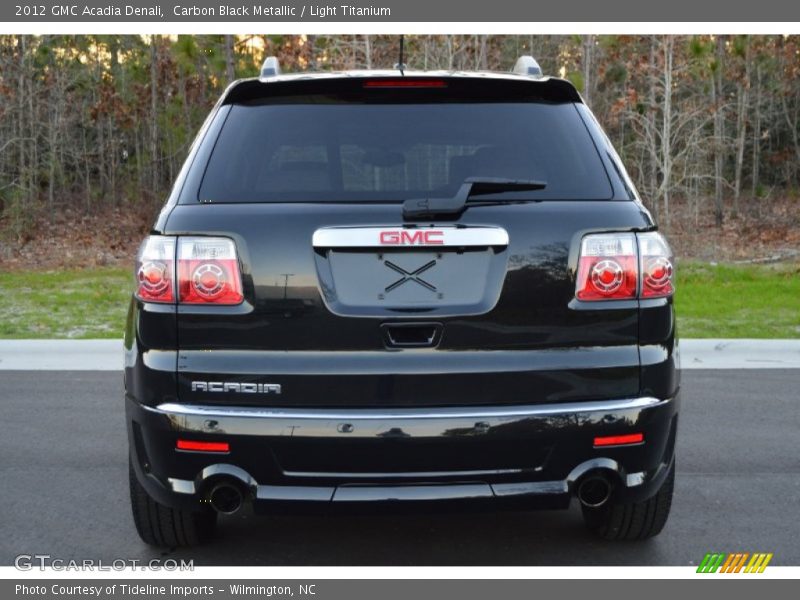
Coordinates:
[349,302]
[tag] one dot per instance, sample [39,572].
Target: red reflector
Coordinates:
[203,446]
[405,83]
[619,440]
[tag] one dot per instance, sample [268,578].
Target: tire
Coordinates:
[165,527]
[633,520]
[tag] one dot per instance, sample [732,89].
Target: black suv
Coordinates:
[401,288]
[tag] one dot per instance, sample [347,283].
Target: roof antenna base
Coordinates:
[270,68]
[527,65]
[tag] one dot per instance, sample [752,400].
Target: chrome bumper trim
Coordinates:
[294,493]
[412,493]
[383,493]
[411,413]
[406,474]
[402,492]
[384,423]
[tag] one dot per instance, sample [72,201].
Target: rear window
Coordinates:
[392,152]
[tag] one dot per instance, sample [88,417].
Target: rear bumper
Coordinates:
[282,457]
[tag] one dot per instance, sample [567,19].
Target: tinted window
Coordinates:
[391,152]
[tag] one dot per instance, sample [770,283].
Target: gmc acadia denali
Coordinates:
[401,288]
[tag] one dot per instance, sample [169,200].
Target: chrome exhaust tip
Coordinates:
[594,491]
[226,498]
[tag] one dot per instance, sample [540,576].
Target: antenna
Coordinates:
[270,68]
[401,65]
[527,65]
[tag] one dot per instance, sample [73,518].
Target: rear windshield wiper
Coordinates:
[474,186]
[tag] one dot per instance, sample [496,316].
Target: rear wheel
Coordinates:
[633,520]
[159,525]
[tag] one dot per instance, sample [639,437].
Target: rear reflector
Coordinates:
[405,83]
[203,446]
[619,440]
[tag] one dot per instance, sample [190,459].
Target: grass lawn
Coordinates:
[738,301]
[64,304]
[726,301]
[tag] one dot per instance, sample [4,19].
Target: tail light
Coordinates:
[155,270]
[206,271]
[618,266]
[656,266]
[607,267]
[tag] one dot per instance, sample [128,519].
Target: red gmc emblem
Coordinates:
[403,237]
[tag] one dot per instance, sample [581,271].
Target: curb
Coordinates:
[106,355]
[740,354]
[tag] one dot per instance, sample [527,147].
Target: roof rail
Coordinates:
[527,65]
[271,67]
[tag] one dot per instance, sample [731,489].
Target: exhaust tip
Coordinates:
[226,498]
[594,491]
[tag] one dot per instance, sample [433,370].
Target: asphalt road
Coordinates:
[63,490]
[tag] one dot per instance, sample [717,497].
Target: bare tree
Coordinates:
[742,109]
[717,102]
[230,62]
[154,115]
[588,53]
[94,121]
